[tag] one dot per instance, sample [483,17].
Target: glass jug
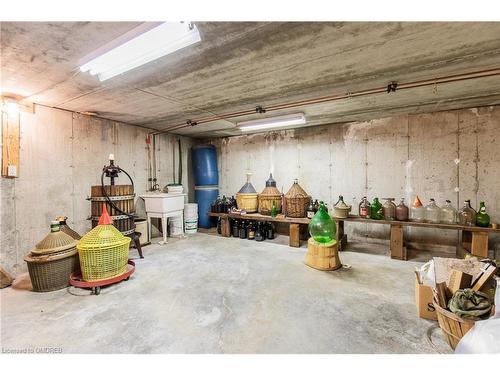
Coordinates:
[389,209]
[364,208]
[402,211]
[482,218]
[467,215]
[417,211]
[432,212]
[322,228]
[376,210]
[448,213]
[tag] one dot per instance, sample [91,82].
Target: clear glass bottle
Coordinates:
[364,208]
[482,218]
[389,209]
[376,210]
[448,213]
[322,228]
[417,211]
[467,215]
[432,212]
[402,211]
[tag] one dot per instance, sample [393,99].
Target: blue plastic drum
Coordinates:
[204,196]
[204,161]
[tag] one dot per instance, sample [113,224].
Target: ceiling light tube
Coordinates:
[159,41]
[272,122]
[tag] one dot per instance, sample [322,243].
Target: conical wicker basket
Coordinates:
[296,201]
[52,261]
[246,198]
[103,253]
[269,195]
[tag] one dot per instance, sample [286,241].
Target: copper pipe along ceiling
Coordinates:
[328,98]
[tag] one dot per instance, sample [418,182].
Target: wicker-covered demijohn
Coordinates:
[66,228]
[246,198]
[296,201]
[269,195]
[52,261]
[103,251]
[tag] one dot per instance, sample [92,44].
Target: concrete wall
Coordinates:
[62,155]
[444,155]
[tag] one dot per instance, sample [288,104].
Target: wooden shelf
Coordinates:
[358,219]
[474,239]
[259,217]
[355,219]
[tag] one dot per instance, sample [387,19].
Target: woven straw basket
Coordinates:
[247,202]
[51,272]
[269,195]
[296,201]
[52,261]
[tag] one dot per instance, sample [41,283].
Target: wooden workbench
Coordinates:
[294,223]
[473,239]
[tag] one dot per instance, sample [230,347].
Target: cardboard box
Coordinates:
[424,301]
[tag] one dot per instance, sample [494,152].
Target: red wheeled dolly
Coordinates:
[75,279]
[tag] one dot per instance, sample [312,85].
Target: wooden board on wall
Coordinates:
[10,142]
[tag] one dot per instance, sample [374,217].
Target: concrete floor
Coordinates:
[207,294]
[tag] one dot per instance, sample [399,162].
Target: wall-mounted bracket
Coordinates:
[391,87]
[260,109]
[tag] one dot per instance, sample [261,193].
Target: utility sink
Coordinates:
[163,202]
[163,206]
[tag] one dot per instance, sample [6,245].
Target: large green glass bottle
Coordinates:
[482,218]
[322,228]
[376,211]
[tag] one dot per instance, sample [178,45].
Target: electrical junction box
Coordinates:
[11,171]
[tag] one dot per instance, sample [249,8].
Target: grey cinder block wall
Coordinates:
[444,155]
[62,155]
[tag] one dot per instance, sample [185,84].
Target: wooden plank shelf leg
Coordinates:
[225,227]
[340,236]
[479,244]
[398,250]
[294,240]
[466,240]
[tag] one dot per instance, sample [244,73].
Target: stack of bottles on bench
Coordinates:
[247,229]
[431,213]
[223,205]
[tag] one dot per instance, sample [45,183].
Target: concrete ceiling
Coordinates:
[240,65]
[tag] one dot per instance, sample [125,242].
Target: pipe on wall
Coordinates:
[328,98]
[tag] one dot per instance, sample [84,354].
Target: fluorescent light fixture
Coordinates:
[272,122]
[10,106]
[159,41]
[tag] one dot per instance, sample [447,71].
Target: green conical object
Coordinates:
[482,218]
[322,228]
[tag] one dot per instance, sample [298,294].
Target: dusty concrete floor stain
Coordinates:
[207,294]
